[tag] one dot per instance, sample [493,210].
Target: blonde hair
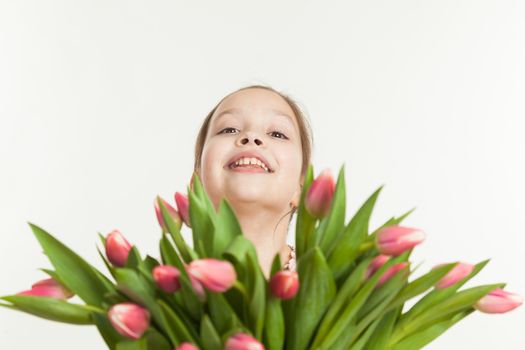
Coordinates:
[305,132]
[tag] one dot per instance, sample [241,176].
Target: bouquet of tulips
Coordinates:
[349,290]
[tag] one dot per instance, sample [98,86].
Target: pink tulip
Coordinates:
[215,275]
[243,341]
[458,272]
[379,261]
[375,264]
[187,346]
[117,248]
[167,278]
[498,301]
[319,196]
[48,288]
[130,320]
[197,286]
[391,272]
[284,284]
[183,205]
[394,240]
[172,212]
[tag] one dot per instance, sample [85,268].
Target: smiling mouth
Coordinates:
[248,168]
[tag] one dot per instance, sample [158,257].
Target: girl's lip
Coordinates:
[250,154]
[244,169]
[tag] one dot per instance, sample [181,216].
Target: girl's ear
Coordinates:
[195,172]
[297,194]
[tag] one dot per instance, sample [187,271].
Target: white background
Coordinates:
[101,101]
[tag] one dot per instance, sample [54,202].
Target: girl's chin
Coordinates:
[246,194]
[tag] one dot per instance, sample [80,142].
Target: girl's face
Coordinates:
[259,121]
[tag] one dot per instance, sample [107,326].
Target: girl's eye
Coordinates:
[280,133]
[222,131]
[283,136]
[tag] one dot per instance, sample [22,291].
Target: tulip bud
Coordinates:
[243,341]
[215,275]
[172,213]
[284,284]
[394,240]
[319,196]
[376,264]
[197,286]
[498,301]
[48,288]
[458,272]
[391,272]
[186,346]
[130,320]
[117,248]
[167,278]
[183,205]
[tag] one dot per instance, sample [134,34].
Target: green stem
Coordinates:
[238,285]
[366,246]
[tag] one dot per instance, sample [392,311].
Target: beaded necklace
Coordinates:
[290,265]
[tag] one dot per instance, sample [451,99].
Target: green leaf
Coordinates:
[107,331]
[138,289]
[257,296]
[106,262]
[390,222]
[437,295]
[352,308]
[151,340]
[191,302]
[53,275]
[316,291]
[393,286]
[236,253]
[305,223]
[331,226]
[177,328]
[227,227]
[363,339]
[140,344]
[347,247]
[202,227]
[203,197]
[210,338]
[150,263]
[75,273]
[421,284]
[420,339]
[458,302]
[274,325]
[221,313]
[174,230]
[134,260]
[156,341]
[343,297]
[51,308]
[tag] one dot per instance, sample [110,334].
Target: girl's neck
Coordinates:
[259,227]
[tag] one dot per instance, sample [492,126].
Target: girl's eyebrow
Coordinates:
[235,110]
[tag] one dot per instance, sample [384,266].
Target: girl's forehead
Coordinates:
[255,100]
[269,112]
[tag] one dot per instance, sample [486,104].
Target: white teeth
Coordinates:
[251,161]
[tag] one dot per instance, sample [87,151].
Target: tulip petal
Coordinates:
[499,301]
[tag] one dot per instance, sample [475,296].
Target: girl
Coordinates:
[254,148]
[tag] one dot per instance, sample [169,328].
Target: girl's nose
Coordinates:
[244,140]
